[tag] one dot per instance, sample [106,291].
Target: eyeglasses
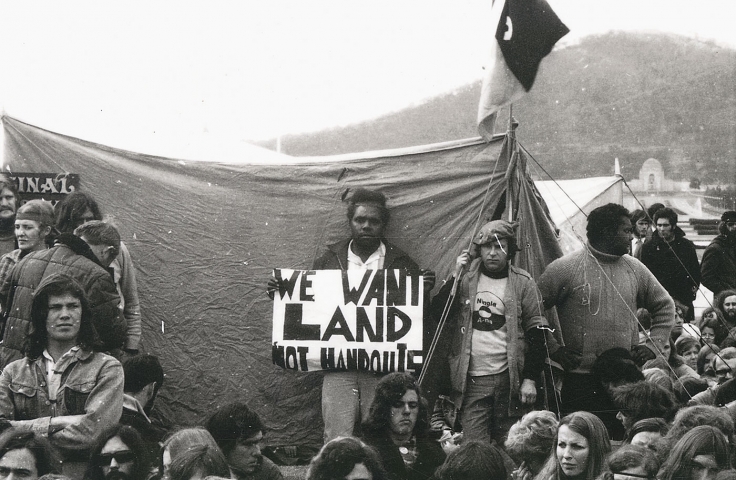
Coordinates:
[731,224]
[125,456]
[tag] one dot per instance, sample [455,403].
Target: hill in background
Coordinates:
[625,96]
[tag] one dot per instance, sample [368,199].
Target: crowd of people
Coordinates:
[635,384]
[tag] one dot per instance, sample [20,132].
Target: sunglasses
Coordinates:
[104,459]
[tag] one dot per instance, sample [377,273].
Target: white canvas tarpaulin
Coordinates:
[205,237]
[569,202]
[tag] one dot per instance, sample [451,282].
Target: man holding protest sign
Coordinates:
[347,395]
[497,330]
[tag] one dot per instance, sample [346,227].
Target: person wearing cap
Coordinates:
[33,223]
[597,291]
[347,395]
[718,268]
[496,326]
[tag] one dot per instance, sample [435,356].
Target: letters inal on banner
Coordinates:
[367,320]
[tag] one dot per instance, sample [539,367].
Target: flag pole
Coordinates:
[511,134]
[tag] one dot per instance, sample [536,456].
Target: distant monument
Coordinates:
[652,179]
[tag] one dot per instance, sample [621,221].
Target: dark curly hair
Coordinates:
[642,400]
[372,197]
[667,213]
[339,457]
[132,439]
[616,365]
[721,297]
[718,325]
[58,284]
[231,423]
[389,391]
[604,221]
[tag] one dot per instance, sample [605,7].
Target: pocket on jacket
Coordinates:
[75,397]
[25,400]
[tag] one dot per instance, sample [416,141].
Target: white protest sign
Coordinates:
[368,320]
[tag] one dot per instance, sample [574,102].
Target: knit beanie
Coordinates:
[39,211]
[493,230]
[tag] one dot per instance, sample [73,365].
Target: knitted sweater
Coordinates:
[597,295]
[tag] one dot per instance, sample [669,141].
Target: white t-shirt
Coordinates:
[488,354]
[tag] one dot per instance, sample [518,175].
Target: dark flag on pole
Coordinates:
[525,32]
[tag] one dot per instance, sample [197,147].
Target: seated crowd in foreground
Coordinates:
[665,438]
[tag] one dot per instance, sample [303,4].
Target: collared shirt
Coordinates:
[132,404]
[374,262]
[636,244]
[53,374]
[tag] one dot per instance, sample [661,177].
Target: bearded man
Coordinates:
[120,455]
[9,202]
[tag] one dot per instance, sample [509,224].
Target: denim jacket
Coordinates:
[91,391]
[523,312]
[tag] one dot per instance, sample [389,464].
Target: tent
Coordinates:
[570,201]
[205,236]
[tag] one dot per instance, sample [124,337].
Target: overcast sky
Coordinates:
[142,74]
